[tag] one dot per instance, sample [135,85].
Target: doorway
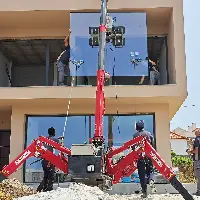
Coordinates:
[158,52]
[4,147]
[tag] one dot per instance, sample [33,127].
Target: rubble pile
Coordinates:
[83,192]
[12,188]
[73,192]
[4,196]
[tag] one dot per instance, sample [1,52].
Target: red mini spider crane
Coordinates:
[91,162]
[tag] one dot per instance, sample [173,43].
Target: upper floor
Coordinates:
[32,39]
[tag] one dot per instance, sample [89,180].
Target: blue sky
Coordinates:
[186,115]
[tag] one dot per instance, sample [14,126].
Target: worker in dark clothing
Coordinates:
[154,73]
[48,168]
[63,63]
[144,164]
[195,152]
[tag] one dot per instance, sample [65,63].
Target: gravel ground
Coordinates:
[83,192]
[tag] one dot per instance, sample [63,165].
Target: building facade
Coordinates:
[31,39]
[182,139]
[180,143]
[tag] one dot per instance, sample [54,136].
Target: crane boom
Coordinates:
[98,138]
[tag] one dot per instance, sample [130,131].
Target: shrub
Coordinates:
[185,166]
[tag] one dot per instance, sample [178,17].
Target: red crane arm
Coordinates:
[100,107]
[37,149]
[127,165]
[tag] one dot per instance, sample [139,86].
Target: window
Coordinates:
[76,132]
[124,127]
[117,130]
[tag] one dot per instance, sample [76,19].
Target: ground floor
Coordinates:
[26,121]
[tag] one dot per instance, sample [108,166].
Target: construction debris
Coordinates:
[74,192]
[83,192]
[12,188]
[4,196]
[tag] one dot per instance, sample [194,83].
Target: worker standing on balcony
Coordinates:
[144,164]
[48,168]
[154,73]
[63,62]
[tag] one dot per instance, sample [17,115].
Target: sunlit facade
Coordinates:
[31,101]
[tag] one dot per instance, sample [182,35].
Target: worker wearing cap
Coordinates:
[48,168]
[144,164]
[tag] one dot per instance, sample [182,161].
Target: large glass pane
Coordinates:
[118,60]
[124,127]
[74,134]
[116,130]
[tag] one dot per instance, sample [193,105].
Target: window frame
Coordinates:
[89,115]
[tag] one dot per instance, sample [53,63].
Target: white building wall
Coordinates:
[179,146]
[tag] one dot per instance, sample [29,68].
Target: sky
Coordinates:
[190,114]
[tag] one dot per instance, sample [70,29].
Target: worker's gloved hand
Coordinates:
[57,170]
[49,164]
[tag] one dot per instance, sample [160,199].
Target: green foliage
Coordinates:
[179,161]
[185,166]
[173,153]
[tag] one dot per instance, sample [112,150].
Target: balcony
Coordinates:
[32,62]
[26,63]
[28,66]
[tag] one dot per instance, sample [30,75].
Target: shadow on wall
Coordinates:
[5,71]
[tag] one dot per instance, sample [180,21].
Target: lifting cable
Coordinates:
[70,98]
[116,94]
[69,102]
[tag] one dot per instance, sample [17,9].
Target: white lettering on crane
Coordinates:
[138,146]
[23,157]
[156,159]
[90,168]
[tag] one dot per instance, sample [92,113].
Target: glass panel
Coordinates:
[124,127]
[78,131]
[118,66]
[135,42]
[39,126]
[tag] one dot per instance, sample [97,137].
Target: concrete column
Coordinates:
[17,140]
[162,128]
